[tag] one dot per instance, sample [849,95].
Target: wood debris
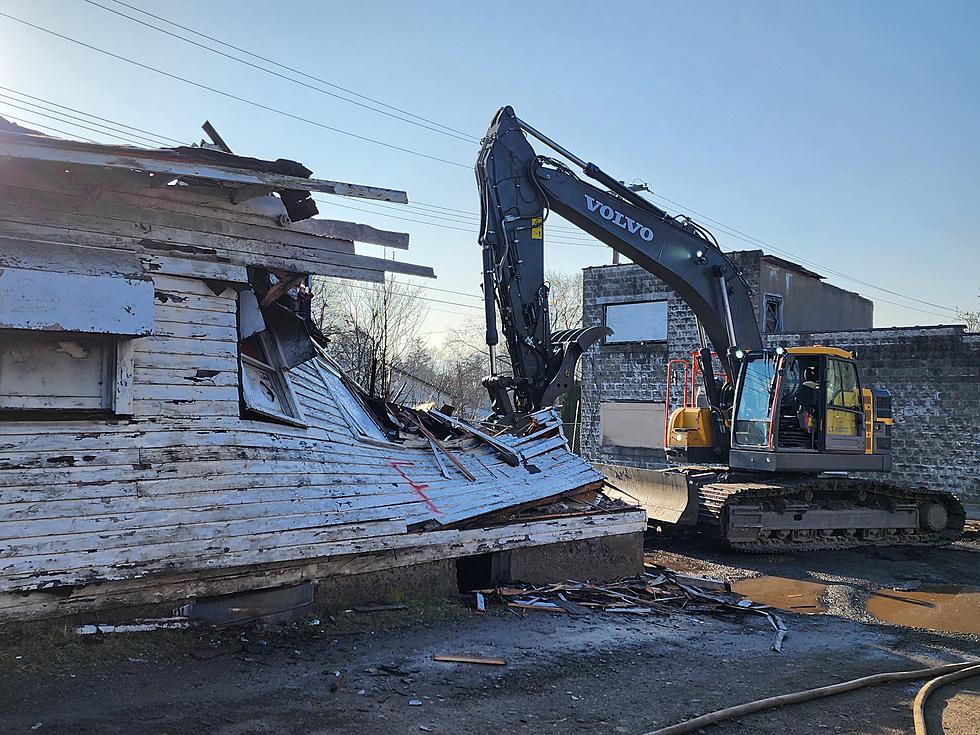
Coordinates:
[471,660]
[657,592]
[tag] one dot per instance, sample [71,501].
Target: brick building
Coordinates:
[932,372]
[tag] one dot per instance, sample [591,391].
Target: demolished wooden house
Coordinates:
[170,424]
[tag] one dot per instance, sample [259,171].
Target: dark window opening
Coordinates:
[773,314]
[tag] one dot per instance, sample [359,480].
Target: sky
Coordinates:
[839,134]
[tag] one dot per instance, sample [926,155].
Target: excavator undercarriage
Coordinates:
[791,512]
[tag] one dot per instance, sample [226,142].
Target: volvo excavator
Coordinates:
[763,454]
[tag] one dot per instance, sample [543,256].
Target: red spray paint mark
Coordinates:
[417,487]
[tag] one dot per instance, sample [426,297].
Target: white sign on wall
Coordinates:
[644,321]
[632,424]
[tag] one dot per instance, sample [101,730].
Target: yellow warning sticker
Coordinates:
[537,231]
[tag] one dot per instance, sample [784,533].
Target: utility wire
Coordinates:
[60,117]
[108,132]
[69,122]
[229,95]
[726,228]
[471,225]
[254,55]
[23,121]
[96,117]
[417,296]
[745,237]
[469,230]
[463,137]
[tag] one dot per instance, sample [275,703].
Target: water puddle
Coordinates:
[794,595]
[947,609]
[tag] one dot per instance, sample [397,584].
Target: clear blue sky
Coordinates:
[843,132]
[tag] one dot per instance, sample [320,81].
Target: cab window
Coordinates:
[842,385]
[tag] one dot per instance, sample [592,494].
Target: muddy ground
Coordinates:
[374,673]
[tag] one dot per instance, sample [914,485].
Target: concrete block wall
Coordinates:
[932,372]
[630,371]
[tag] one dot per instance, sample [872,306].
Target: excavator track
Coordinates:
[800,513]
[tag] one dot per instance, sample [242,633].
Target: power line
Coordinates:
[21,120]
[463,137]
[60,117]
[229,95]
[745,237]
[69,122]
[296,71]
[417,296]
[472,225]
[96,117]
[469,230]
[725,228]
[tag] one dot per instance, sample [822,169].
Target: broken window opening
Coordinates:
[50,374]
[773,314]
[265,388]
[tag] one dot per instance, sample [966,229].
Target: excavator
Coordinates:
[763,454]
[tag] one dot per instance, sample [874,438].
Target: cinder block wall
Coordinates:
[932,372]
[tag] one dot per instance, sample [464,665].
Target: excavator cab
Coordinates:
[801,409]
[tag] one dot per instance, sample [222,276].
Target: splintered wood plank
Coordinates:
[353,231]
[470,660]
[172,163]
[172,242]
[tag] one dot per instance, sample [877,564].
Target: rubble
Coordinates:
[657,592]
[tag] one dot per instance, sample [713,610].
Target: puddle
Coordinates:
[947,609]
[794,595]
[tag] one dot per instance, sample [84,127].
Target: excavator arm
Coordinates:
[518,189]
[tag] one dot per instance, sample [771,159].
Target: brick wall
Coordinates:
[932,372]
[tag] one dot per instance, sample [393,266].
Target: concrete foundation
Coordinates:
[598,560]
[427,581]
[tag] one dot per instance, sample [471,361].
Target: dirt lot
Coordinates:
[374,673]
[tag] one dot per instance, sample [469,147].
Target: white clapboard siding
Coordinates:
[187,489]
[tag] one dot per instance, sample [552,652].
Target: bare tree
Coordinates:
[460,376]
[970,318]
[371,328]
[565,299]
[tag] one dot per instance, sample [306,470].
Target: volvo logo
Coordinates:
[618,218]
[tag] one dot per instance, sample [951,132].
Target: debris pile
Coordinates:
[657,592]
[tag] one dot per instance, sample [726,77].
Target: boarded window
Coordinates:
[54,287]
[56,371]
[632,424]
[643,321]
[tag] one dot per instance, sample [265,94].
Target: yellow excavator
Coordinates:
[768,439]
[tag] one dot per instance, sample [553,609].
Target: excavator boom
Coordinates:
[518,190]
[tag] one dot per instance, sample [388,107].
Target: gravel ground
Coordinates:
[364,672]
